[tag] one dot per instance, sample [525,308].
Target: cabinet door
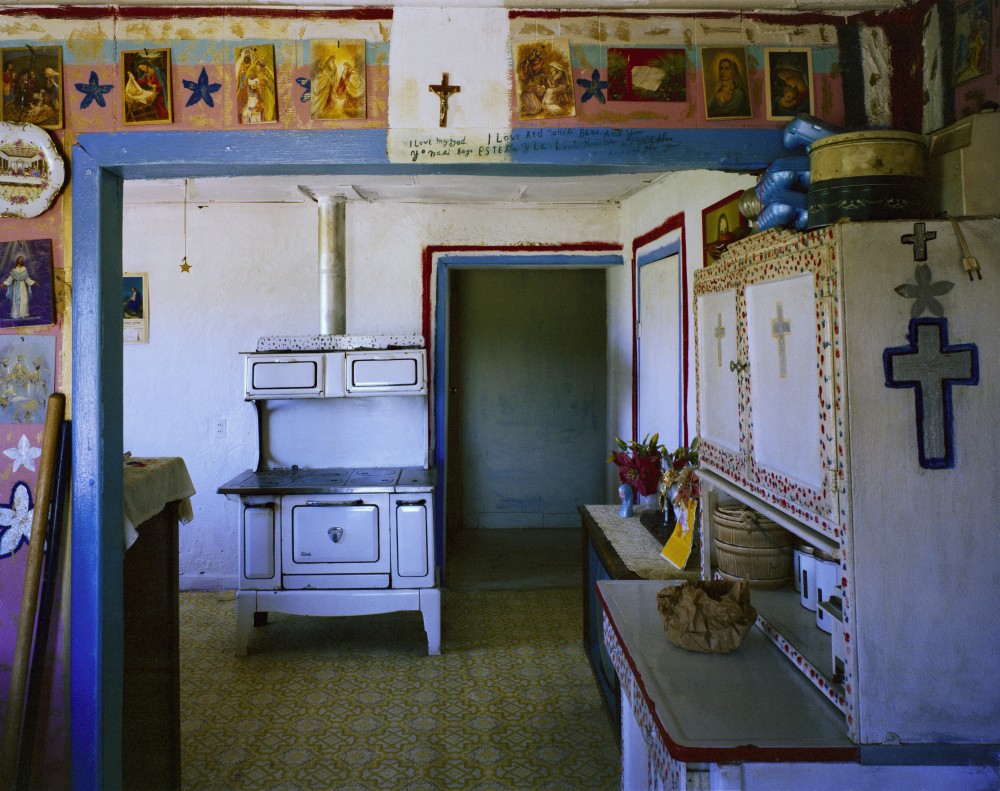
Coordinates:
[716,339]
[787,398]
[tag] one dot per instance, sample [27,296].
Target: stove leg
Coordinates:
[430,607]
[246,605]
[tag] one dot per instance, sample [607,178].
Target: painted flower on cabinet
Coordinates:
[15,520]
[23,455]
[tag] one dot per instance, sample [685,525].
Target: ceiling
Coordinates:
[439,189]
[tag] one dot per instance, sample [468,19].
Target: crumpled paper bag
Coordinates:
[712,616]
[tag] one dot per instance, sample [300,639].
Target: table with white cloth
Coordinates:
[157,495]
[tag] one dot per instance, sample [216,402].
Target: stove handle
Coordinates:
[335,533]
[326,504]
[410,502]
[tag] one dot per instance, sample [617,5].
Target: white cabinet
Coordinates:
[848,388]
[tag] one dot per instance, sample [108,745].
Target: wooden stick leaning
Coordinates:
[10,747]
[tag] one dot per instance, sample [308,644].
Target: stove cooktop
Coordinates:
[330,480]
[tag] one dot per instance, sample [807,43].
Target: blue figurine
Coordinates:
[625,495]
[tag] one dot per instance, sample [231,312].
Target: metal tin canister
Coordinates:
[873,175]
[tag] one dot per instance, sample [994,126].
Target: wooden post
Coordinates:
[9,757]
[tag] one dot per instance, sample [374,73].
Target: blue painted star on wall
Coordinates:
[306,84]
[202,90]
[93,91]
[594,87]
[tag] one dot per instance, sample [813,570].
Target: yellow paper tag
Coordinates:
[677,550]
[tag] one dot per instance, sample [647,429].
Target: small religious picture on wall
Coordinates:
[146,95]
[135,307]
[724,73]
[32,86]
[256,99]
[647,74]
[26,283]
[339,84]
[721,225]
[972,40]
[544,79]
[27,363]
[788,82]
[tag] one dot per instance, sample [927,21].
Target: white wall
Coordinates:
[253,273]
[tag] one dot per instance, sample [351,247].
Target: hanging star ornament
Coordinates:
[185,266]
[23,455]
[923,292]
[93,91]
[15,520]
[202,90]
[594,87]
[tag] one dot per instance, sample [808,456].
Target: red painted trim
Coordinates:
[742,753]
[671,224]
[789,20]
[187,12]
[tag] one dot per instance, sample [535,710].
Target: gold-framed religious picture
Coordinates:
[256,98]
[146,94]
[972,40]
[26,283]
[721,225]
[32,86]
[135,307]
[544,79]
[788,81]
[724,75]
[338,82]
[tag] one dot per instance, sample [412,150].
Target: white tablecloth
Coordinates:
[150,484]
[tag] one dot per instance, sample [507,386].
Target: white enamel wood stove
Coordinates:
[337,540]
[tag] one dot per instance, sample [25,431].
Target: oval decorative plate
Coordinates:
[31,170]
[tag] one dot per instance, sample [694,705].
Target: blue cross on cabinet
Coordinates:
[930,366]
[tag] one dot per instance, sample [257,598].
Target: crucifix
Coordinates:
[919,239]
[444,92]
[930,366]
[780,327]
[720,333]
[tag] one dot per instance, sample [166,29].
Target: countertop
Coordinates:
[331,480]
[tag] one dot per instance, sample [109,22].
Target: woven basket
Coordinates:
[748,544]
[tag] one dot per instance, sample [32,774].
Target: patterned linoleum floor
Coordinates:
[356,703]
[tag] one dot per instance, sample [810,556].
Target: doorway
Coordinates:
[526,416]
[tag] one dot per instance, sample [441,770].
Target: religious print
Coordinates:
[972,40]
[27,365]
[543,76]
[135,307]
[26,283]
[256,97]
[146,95]
[32,86]
[724,74]
[788,82]
[647,74]
[337,80]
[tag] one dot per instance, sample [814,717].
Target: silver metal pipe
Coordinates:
[332,266]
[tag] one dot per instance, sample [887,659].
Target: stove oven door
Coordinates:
[335,541]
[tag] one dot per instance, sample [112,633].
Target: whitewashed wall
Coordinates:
[253,272]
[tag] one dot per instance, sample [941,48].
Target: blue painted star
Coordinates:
[93,91]
[306,84]
[595,86]
[202,90]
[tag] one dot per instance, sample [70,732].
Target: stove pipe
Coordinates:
[332,266]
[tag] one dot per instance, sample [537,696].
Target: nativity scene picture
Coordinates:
[544,80]
[32,86]
[146,91]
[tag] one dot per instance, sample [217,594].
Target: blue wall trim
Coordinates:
[100,162]
[665,249]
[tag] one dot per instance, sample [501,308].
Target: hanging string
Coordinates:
[184,262]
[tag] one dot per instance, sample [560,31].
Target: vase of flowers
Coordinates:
[640,465]
[679,484]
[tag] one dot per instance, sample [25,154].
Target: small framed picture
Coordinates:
[339,86]
[146,96]
[32,86]
[256,97]
[788,82]
[544,79]
[972,40]
[135,307]
[721,225]
[724,73]
[26,283]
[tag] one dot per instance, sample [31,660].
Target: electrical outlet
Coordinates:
[220,428]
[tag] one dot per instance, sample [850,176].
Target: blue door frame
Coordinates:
[100,164]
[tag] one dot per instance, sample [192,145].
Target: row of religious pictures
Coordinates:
[545,88]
